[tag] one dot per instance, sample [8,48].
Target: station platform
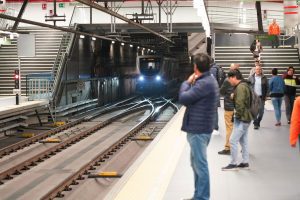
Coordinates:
[163,171]
[8,105]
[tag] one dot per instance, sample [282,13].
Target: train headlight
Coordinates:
[158,78]
[141,78]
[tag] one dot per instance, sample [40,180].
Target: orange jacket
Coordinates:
[295,123]
[274,29]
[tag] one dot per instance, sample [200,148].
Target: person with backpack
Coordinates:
[218,73]
[242,120]
[276,85]
[260,85]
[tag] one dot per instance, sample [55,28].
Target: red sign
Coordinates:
[44,6]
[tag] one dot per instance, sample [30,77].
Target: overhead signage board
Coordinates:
[26,45]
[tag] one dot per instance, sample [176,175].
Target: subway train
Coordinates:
[157,74]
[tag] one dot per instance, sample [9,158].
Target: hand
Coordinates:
[192,78]
[231,95]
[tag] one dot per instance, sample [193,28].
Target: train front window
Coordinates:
[149,66]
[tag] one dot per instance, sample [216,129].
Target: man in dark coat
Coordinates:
[199,93]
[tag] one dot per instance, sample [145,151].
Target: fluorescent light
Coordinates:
[122,44]
[201,12]
[82,36]
[131,45]
[93,38]
[112,42]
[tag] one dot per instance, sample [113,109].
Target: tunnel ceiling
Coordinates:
[133,35]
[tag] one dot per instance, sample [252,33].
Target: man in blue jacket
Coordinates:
[199,93]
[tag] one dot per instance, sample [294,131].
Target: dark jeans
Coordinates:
[275,41]
[260,115]
[289,103]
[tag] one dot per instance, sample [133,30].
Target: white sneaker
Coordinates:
[216,132]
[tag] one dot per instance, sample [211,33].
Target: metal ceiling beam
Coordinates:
[103,9]
[53,27]
[16,24]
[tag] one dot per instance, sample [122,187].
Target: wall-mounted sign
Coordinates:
[44,6]
[61,5]
[2,6]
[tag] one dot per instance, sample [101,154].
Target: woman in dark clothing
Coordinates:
[290,81]
[256,49]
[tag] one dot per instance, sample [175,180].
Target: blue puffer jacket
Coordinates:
[200,100]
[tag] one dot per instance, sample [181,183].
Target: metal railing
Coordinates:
[38,86]
[61,59]
[243,16]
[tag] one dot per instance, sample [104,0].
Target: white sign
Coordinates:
[16,91]
[26,45]
[2,6]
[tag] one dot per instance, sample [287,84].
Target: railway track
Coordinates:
[83,150]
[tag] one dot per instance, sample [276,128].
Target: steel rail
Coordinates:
[101,157]
[24,143]
[103,9]
[53,27]
[7,174]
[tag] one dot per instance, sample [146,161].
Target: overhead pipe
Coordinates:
[53,27]
[103,9]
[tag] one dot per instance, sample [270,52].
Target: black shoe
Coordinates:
[224,152]
[230,167]
[243,166]
[256,127]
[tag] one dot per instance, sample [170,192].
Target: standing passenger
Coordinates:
[274,31]
[226,90]
[295,123]
[259,83]
[218,73]
[199,93]
[290,81]
[276,85]
[242,121]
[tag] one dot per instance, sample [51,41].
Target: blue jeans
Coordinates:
[239,135]
[277,101]
[198,143]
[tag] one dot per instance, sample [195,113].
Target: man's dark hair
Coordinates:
[202,62]
[274,71]
[291,67]
[235,73]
